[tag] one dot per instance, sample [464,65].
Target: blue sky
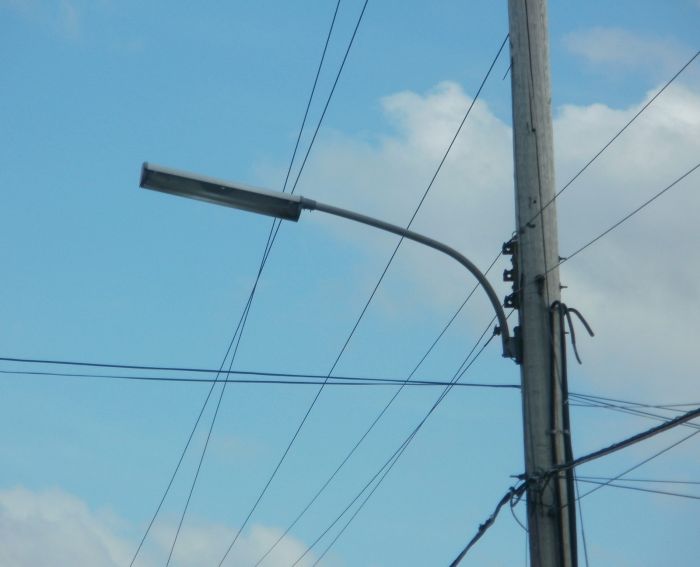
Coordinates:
[98,270]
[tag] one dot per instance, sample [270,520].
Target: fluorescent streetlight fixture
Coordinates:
[286,206]
[236,195]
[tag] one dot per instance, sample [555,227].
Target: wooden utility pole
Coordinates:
[551,537]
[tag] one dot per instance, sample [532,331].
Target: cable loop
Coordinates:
[565,314]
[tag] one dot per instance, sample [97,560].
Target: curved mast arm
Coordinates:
[509,346]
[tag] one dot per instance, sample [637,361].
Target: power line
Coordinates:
[271,241]
[668,406]
[391,461]
[483,528]
[640,489]
[615,137]
[242,319]
[374,422]
[628,216]
[642,480]
[636,412]
[645,461]
[367,304]
[634,439]
[187,443]
[336,381]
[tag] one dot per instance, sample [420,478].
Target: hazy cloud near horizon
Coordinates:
[55,528]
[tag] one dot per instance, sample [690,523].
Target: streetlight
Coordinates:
[289,207]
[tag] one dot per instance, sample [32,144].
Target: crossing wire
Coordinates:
[271,240]
[242,319]
[336,380]
[615,137]
[380,414]
[361,316]
[628,216]
[391,461]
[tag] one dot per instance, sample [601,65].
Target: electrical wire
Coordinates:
[187,444]
[640,489]
[615,137]
[336,381]
[668,406]
[513,492]
[643,480]
[366,306]
[625,443]
[271,240]
[637,412]
[627,216]
[391,461]
[241,323]
[645,461]
[374,422]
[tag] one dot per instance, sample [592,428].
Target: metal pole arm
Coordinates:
[509,347]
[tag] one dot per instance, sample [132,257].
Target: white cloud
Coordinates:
[638,286]
[625,50]
[54,528]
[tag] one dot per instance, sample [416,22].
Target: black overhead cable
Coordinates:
[644,462]
[640,489]
[632,411]
[513,492]
[391,461]
[271,241]
[643,480]
[240,324]
[366,306]
[617,135]
[667,406]
[187,444]
[627,216]
[406,382]
[337,381]
[634,439]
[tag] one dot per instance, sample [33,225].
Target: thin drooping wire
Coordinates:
[644,480]
[336,380]
[208,438]
[276,228]
[308,102]
[187,444]
[615,137]
[640,489]
[640,404]
[628,216]
[644,462]
[239,328]
[580,517]
[637,412]
[271,240]
[389,463]
[393,459]
[363,311]
[381,413]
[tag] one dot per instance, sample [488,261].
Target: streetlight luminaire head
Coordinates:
[236,195]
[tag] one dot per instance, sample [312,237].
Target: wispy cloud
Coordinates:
[53,528]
